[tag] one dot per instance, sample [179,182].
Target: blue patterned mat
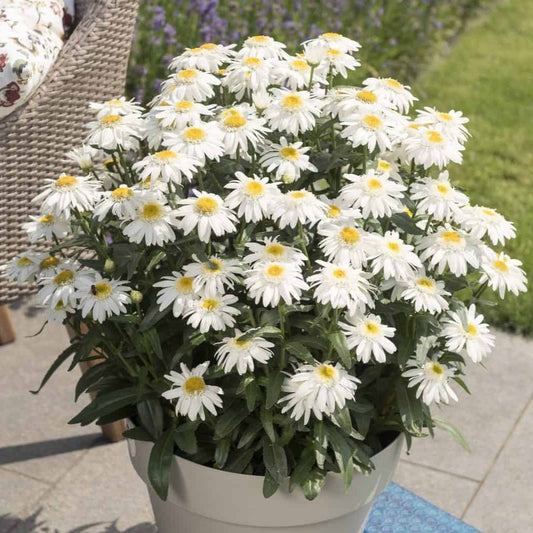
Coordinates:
[399,511]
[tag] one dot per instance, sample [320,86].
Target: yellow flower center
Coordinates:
[49,262]
[298,195]
[330,35]
[260,39]
[194,134]
[166,155]
[368,97]
[206,205]
[452,237]
[408,211]
[500,265]
[115,102]
[221,71]
[275,249]
[194,50]
[239,343]
[339,273]
[350,235]
[372,328]
[47,220]
[184,105]
[292,102]
[384,166]
[64,278]
[102,290]
[151,211]
[187,74]
[194,385]
[393,84]
[208,46]
[333,211]
[300,65]
[109,120]
[60,306]
[121,194]
[443,189]
[275,271]
[146,183]
[374,184]
[184,284]
[288,152]
[393,247]
[472,329]
[332,52]
[489,212]
[66,182]
[254,188]
[24,262]
[326,372]
[235,121]
[210,304]
[425,283]
[372,121]
[213,265]
[445,116]
[253,62]
[436,368]
[434,137]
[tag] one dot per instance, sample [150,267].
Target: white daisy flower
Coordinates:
[503,273]
[273,251]
[176,291]
[437,197]
[207,57]
[345,243]
[61,285]
[243,354]
[22,268]
[58,313]
[339,211]
[464,330]
[193,394]
[393,257]
[212,312]
[451,248]
[295,73]
[293,111]
[214,275]
[117,106]
[320,389]
[425,293]
[372,128]
[347,102]
[48,265]
[102,297]
[333,40]
[432,380]
[339,62]
[288,159]
[247,75]
[251,197]
[201,141]
[397,95]
[167,165]
[274,281]
[374,194]
[341,286]
[47,226]
[452,122]
[384,166]
[154,222]
[369,336]
[431,146]
[481,221]
[67,192]
[190,84]
[84,156]
[297,206]
[114,130]
[207,213]
[174,113]
[241,129]
[122,202]
[262,46]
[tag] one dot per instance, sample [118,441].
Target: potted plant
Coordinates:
[278,278]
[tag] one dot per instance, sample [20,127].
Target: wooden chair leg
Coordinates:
[7,331]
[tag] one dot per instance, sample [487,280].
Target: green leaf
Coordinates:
[303,467]
[185,438]
[137,433]
[151,342]
[410,409]
[239,461]
[160,462]
[321,444]
[454,432]
[266,419]
[299,351]
[462,384]
[151,416]
[275,460]
[221,452]
[404,222]
[252,392]
[274,389]
[313,484]
[90,377]
[338,341]
[61,358]
[155,260]
[344,420]
[270,485]
[153,316]
[265,331]
[229,420]
[250,433]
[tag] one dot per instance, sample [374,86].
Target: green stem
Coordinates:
[302,242]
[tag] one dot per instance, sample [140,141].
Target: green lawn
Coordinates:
[489,76]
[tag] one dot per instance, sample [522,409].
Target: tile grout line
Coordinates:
[23,474]
[497,456]
[434,469]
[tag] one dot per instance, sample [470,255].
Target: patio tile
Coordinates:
[503,502]
[486,418]
[17,492]
[446,491]
[101,488]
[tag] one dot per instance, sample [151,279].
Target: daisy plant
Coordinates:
[274,270]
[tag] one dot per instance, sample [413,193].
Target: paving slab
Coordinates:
[486,418]
[17,493]
[446,491]
[504,500]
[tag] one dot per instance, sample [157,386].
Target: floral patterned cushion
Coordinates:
[31,36]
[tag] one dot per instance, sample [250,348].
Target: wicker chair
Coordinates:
[34,139]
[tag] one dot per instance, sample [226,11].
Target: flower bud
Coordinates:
[136,297]
[109,265]
[288,177]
